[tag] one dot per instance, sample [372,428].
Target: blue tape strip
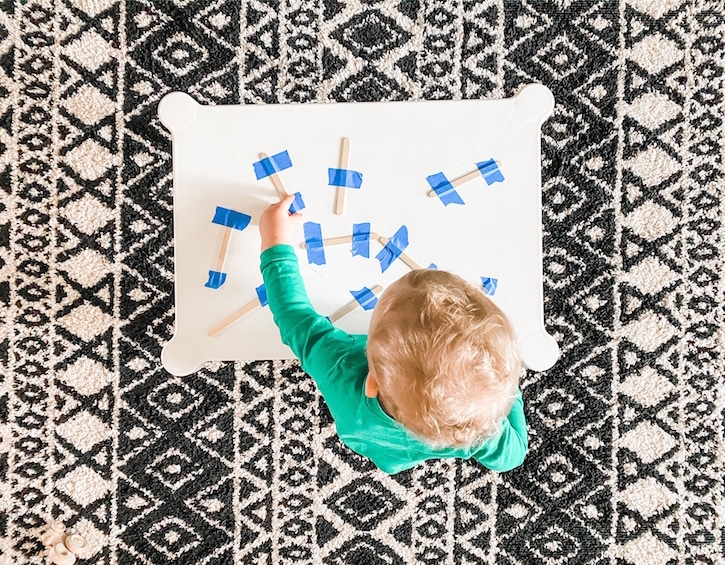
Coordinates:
[297,204]
[444,189]
[313,239]
[230,218]
[489,285]
[216,279]
[262,294]
[490,171]
[271,165]
[365,297]
[393,248]
[361,239]
[344,177]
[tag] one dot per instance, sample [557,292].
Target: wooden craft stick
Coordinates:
[233,317]
[276,181]
[345,310]
[339,240]
[223,250]
[403,257]
[463,179]
[340,193]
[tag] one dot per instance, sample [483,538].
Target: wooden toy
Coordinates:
[55,534]
[62,547]
[60,555]
[75,543]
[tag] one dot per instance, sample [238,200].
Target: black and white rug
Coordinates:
[239,463]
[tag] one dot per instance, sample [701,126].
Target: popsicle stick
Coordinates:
[233,317]
[463,179]
[403,257]
[340,193]
[223,250]
[345,310]
[339,240]
[276,181]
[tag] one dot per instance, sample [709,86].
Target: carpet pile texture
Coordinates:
[239,463]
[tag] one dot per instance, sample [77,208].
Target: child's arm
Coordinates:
[507,450]
[313,339]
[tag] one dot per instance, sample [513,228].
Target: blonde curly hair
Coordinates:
[445,358]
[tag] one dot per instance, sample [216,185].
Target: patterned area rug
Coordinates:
[239,463]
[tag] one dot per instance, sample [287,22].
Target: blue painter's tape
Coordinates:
[490,171]
[216,279]
[489,285]
[444,189]
[393,248]
[313,240]
[365,297]
[297,204]
[361,239]
[230,218]
[344,177]
[271,165]
[262,294]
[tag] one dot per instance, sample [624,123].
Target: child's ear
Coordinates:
[371,386]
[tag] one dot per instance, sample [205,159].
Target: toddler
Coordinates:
[437,375]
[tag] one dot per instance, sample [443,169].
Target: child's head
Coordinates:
[444,357]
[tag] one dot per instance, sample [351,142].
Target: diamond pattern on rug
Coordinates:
[240,463]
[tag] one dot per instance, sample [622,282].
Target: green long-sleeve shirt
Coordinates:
[337,362]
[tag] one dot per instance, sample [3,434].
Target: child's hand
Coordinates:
[277,224]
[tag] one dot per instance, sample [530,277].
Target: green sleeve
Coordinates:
[507,450]
[318,345]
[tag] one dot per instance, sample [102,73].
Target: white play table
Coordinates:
[396,146]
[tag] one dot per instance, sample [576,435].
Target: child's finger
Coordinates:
[283,205]
[287,200]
